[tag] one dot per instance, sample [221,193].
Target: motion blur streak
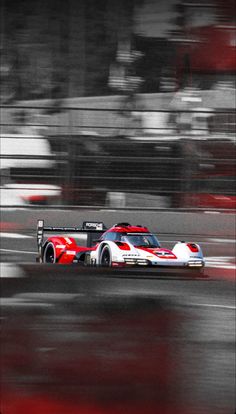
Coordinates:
[98,345]
[41,405]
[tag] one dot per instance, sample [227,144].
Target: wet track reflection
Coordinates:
[90,343]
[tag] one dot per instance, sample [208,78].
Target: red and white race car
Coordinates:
[120,246]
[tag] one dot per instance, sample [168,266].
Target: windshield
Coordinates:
[141,240]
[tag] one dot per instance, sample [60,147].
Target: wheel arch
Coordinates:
[111,245]
[45,247]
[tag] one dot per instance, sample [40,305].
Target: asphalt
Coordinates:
[84,340]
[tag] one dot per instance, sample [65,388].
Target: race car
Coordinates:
[119,246]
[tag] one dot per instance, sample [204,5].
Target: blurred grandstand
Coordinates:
[136,100]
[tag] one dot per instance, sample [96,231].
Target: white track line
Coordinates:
[17,251]
[14,235]
[221,262]
[208,305]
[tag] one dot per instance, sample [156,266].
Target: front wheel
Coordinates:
[49,255]
[105,258]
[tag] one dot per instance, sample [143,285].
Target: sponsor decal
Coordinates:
[93,225]
[161,253]
[130,255]
[68,240]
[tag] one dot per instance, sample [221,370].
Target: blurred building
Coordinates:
[186,44]
[205,44]
[58,49]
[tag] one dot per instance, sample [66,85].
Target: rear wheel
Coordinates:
[105,259]
[49,255]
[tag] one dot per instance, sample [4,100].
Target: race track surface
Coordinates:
[94,341]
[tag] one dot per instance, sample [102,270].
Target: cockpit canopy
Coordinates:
[136,239]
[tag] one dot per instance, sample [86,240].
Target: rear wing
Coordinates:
[92,228]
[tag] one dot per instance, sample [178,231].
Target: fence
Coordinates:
[118,157]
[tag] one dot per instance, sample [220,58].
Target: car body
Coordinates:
[122,245]
[15,194]
[27,164]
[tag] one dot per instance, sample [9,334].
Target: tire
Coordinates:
[105,258]
[49,255]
